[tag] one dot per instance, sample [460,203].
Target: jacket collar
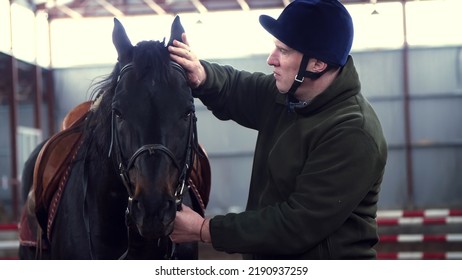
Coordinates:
[344,86]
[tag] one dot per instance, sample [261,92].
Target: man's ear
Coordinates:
[176,31]
[316,65]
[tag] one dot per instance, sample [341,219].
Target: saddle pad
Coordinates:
[200,177]
[75,114]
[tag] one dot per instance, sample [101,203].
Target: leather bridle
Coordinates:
[150,149]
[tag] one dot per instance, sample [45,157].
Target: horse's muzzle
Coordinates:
[154,222]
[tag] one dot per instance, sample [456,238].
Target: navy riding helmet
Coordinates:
[321,29]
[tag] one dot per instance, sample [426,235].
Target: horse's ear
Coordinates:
[176,31]
[121,42]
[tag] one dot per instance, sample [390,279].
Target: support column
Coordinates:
[13,112]
[407,117]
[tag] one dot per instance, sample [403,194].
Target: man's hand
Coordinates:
[190,226]
[181,54]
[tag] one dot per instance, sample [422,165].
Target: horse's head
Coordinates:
[153,130]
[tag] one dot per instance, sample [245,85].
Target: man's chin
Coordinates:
[282,90]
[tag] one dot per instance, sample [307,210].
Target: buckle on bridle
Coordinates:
[179,194]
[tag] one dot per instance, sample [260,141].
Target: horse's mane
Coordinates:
[149,58]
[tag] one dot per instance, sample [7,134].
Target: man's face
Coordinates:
[285,62]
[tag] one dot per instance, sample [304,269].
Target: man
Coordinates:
[320,153]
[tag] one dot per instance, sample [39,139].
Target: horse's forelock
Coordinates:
[152,58]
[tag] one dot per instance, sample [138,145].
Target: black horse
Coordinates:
[133,166]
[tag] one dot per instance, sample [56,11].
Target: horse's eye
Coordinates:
[187,115]
[117,113]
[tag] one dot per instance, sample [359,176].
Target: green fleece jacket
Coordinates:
[316,171]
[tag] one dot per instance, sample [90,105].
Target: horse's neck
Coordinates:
[102,177]
[105,201]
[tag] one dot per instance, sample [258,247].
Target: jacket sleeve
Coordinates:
[236,95]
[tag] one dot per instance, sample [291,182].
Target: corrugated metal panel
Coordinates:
[435,71]
[380,73]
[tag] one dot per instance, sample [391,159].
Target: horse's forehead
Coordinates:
[149,92]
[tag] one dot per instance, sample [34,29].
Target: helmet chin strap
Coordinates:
[292,101]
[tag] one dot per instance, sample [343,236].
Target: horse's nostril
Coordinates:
[167,211]
[135,203]
[136,206]
[167,205]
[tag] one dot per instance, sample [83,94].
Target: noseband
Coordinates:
[151,149]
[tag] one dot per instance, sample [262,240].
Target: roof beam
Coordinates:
[244,5]
[199,6]
[70,12]
[110,8]
[155,7]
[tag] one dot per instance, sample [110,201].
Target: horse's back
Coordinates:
[27,176]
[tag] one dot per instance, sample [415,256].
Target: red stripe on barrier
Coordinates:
[433,256]
[415,213]
[413,256]
[434,221]
[387,222]
[8,227]
[435,238]
[387,256]
[455,212]
[388,238]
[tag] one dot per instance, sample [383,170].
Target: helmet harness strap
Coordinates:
[292,101]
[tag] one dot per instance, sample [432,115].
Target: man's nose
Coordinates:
[271,60]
